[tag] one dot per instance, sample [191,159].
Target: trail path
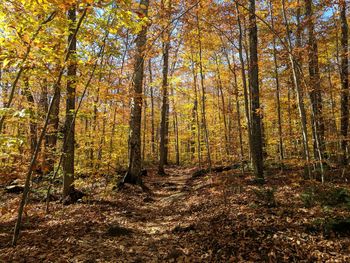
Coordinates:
[126,226]
[213,218]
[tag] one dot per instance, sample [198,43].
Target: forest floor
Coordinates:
[219,217]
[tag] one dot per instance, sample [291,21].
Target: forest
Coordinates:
[174,131]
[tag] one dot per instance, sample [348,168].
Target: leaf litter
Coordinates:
[220,217]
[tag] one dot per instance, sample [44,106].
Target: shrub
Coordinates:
[334,196]
[308,197]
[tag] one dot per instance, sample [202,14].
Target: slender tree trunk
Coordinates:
[153,141]
[203,99]
[257,150]
[280,134]
[177,140]
[43,105]
[333,129]
[315,82]
[32,121]
[195,114]
[164,126]
[344,76]
[101,141]
[238,116]
[144,128]
[94,127]
[52,130]
[4,96]
[244,80]
[135,163]
[96,163]
[176,129]
[69,127]
[299,92]
[222,98]
[290,83]
[174,110]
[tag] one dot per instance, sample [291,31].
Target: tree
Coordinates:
[69,125]
[244,79]
[203,90]
[164,126]
[277,79]
[135,165]
[296,70]
[315,84]
[257,151]
[344,77]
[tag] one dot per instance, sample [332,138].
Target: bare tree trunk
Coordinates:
[280,134]
[69,127]
[290,98]
[42,110]
[244,80]
[176,129]
[102,140]
[238,116]
[175,115]
[135,163]
[203,99]
[315,82]
[195,114]
[257,150]
[164,126]
[144,128]
[222,97]
[153,141]
[32,121]
[299,93]
[52,130]
[333,129]
[344,76]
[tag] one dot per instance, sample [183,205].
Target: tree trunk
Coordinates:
[238,115]
[344,76]
[69,126]
[43,105]
[299,93]
[135,163]
[278,101]
[195,115]
[144,133]
[203,99]
[315,84]
[223,104]
[164,125]
[244,80]
[153,141]
[257,151]
[32,121]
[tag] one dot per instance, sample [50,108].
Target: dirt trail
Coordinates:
[126,226]
[213,218]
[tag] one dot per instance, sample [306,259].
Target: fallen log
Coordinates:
[14,189]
